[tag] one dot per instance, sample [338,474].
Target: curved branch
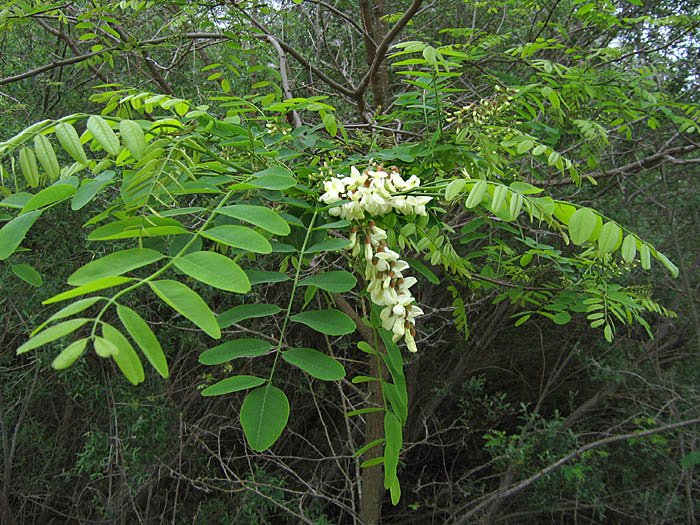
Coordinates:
[576,453]
[345,17]
[285,80]
[380,53]
[81,58]
[638,165]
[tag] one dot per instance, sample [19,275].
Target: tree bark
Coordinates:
[5,511]
[372,483]
[372,478]
[372,12]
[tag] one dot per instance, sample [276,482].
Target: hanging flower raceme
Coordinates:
[373,192]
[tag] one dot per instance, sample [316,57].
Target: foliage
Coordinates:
[209,213]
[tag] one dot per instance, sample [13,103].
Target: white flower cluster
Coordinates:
[372,192]
[387,285]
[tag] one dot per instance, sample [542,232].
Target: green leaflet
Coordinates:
[261,216]
[396,392]
[27,274]
[334,281]
[629,248]
[454,188]
[67,311]
[133,137]
[329,123]
[98,284]
[667,263]
[89,188]
[582,225]
[150,226]
[69,139]
[215,270]
[13,232]
[47,156]
[29,167]
[392,448]
[372,462]
[16,200]
[476,195]
[48,196]
[315,363]
[51,334]
[246,311]
[499,197]
[366,348]
[188,303]
[279,171]
[371,444]
[126,358]
[104,347]
[233,350]
[114,264]
[264,415]
[644,255]
[330,322]
[329,245]
[516,205]
[232,384]
[273,182]
[563,211]
[141,333]
[239,237]
[70,354]
[609,237]
[327,226]
[103,134]
[561,318]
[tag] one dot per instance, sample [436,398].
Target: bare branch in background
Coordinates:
[563,461]
[285,80]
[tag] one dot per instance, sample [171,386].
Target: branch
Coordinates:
[649,51]
[73,46]
[157,76]
[54,65]
[298,56]
[81,58]
[638,165]
[576,453]
[285,81]
[347,18]
[384,46]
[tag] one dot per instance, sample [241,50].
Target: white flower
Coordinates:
[377,234]
[399,328]
[373,192]
[410,341]
[413,311]
[407,283]
[368,249]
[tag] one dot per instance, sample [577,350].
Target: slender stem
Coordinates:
[291,297]
[167,265]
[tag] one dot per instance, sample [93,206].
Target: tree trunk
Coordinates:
[372,11]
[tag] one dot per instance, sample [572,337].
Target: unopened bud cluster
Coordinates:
[483,111]
[372,191]
[388,286]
